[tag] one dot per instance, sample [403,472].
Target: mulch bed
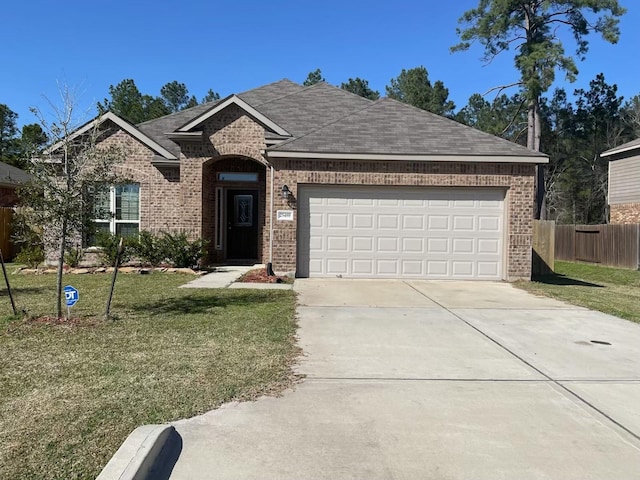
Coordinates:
[259,275]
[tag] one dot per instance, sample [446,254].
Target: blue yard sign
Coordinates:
[71,295]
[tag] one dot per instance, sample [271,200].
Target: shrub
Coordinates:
[180,251]
[150,249]
[31,255]
[108,243]
[73,256]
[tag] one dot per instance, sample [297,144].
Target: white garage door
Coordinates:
[377,232]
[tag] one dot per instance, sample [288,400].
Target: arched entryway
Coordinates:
[234,197]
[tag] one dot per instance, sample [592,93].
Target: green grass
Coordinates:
[70,394]
[610,290]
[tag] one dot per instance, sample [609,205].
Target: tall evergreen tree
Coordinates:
[531,28]
[9,146]
[211,96]
[360,87]
[414,87]
[175,96]
[129,103]
[313,78]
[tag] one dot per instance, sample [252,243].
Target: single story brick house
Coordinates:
[325,183]
[624,182]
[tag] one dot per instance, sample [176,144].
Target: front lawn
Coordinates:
[610,290]
[71,393]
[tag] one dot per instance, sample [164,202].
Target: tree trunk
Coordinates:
[534,132]
[63,247]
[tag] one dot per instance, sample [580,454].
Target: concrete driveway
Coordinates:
[436,380]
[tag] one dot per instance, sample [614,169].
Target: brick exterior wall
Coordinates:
[518,180]
[625,213]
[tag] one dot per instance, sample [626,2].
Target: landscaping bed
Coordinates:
[260,275]
[615,291]
[72,390]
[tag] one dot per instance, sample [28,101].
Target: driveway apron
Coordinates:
[425,379]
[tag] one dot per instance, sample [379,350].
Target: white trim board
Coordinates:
[124,125]
[234,100]
[409,158]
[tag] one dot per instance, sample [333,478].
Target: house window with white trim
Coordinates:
[116,209]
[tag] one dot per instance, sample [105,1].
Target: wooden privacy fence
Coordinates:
[6,214]
[543,247]
[612,245]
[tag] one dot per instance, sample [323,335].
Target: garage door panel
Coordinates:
[338,244]
[413,245]
[388,245]
[337,266]
[463,246]
[388,221]
[362,245]
[488,245]
[437,245]
[437,268]
[489,223]
[413,222]
[362,221]
[464,223]
[387,267]
[438,222]
[401,232]
[337,220]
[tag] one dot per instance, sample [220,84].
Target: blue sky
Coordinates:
[232,46]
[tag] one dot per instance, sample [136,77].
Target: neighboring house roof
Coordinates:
[396,131]
[627,147]
[11,176]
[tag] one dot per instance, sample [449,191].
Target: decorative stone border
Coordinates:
[97,270]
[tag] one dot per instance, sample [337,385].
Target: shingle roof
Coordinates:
[159,127]
[632,145]
[309,108]
[270,92]
[10,175]
[326,119]
[387,126]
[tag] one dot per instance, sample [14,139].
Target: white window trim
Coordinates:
[112,221]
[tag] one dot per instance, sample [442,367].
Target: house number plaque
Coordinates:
[285,215]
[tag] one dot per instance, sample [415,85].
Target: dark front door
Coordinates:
[242,225]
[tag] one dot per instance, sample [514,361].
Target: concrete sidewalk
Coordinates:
[447,380]
[222,277]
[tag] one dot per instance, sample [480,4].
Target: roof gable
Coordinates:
[124,125]
[234,100]
[395,130]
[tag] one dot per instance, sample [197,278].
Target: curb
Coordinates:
[262,286]
[149,452]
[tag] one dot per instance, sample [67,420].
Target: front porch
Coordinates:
[234,204]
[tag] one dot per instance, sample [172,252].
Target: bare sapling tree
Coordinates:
[58,195]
